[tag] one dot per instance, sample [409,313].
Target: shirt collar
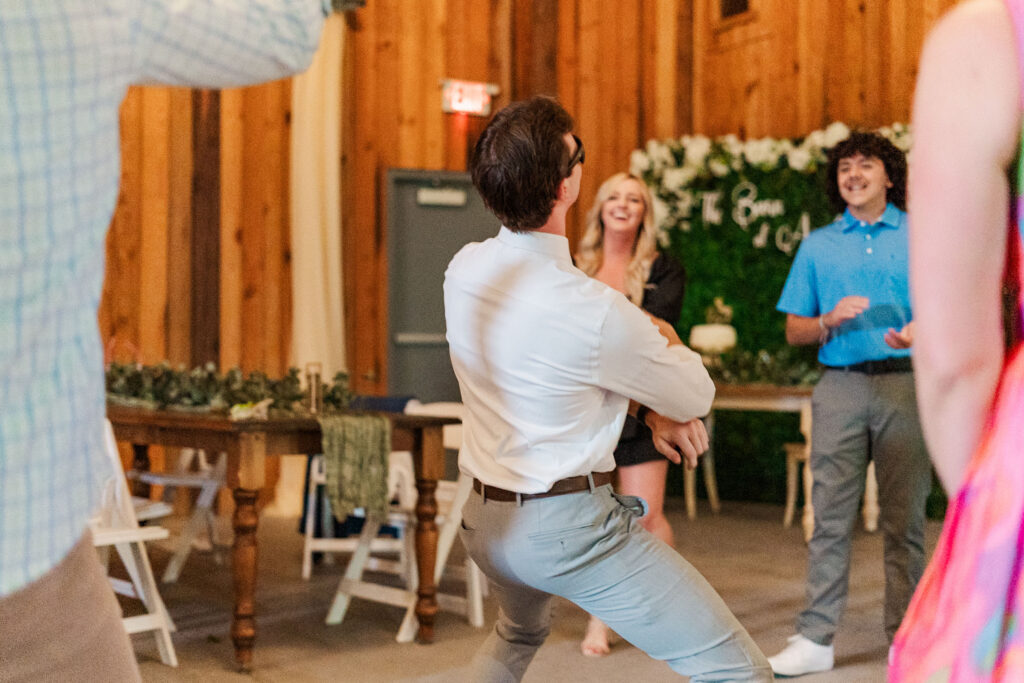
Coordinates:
[889,218]
[556,246]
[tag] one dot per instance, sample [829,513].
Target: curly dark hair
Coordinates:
[521,159]
[870,145]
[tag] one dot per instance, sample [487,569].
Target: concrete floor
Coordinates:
[756,565]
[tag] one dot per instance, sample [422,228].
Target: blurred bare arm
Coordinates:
[966,124]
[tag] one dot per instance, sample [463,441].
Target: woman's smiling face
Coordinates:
[624,208]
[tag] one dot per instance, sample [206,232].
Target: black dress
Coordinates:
[663,298]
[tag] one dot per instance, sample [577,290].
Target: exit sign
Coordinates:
[467,97]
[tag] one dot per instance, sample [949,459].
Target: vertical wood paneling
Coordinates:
[434,69]
[155,208]
[811,25]
[205,248]
[500,52]
[411,52]
[254,256]
[628,89]
[902,58]
[121,287]
[567,61]
[535,48]
[699,70]
[360,234]
[179,226]
[232,143]
[665,91]
[797,66]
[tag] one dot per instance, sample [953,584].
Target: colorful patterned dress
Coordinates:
[966,621]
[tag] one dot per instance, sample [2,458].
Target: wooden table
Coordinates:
[756,397]
[767,398]
[248,444]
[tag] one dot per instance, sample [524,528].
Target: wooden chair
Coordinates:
[117,526]
[191,471]
[450,495]
[707,464]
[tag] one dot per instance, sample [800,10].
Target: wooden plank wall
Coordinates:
[628,70]
[151,287]
[399,58]
[623,71]
[787,68]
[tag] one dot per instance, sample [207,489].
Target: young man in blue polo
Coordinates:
[847,291]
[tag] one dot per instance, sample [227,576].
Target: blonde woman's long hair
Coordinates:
[590,253]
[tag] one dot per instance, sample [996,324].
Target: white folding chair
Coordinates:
[450,496]
[117,525]
[401,488]
[205,477]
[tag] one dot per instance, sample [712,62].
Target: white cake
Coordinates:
[712,338]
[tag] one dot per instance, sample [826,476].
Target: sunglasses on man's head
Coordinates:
[578,157]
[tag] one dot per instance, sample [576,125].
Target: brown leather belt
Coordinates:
[560,487]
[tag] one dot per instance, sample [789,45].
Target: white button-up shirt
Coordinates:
[547,360]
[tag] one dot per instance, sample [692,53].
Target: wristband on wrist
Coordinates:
[823,336]
[641,415]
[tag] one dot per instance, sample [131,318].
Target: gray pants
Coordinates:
[857,417]
[588,547]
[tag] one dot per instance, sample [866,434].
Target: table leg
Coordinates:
[246,488]
[430,468]
[426,557]
[140,463]
[243,627]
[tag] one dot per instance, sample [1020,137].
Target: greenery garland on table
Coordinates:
[203,388]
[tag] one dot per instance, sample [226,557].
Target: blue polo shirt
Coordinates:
[853,258]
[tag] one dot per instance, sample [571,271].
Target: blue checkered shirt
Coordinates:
[64,68]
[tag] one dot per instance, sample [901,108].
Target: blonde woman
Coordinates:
[619,248]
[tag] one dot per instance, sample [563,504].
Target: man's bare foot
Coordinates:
[595,642]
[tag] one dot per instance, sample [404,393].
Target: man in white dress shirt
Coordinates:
[548,361]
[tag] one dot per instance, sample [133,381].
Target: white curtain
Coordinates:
[318,323]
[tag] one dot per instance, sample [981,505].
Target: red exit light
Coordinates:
[467,97]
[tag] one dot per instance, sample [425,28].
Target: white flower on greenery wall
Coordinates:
[661,217]
[697,148]
[836,133]
[798,158]
[718,168]
[659,155]
[638,162]
[678,178]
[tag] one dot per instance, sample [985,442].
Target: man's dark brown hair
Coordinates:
[521,159]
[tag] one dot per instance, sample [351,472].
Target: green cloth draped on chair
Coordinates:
[356,449]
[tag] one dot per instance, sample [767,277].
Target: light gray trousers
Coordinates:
[588,547]
[856,417]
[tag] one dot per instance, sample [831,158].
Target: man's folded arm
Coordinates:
[638,361]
